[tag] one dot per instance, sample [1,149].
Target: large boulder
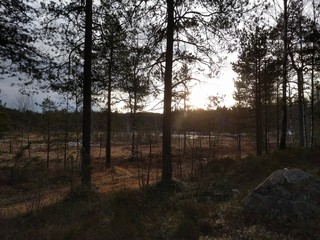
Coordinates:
[285,194]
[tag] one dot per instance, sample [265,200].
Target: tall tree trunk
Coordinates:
[258,100]
[301,108]
[166,144]
[266,111]
[28,133]
[312,125]
[133,125]
[301,102]
[257,113]
[86,118]
[66,133]
[301,114]
[278,116]
[283,138]
[78,132]
[21,130]
[108,137]
[48,140]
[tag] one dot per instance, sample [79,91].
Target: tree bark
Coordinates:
[48,141]
[258,110]
[66,133]
[301,108]
[108,140]
[86,118]
[133,123]
[283,137]
[166,144]
[312,124]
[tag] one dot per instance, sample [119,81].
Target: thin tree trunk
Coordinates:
[258,105]
[48,141]
[278,117]
[312,124]
[108,135]
[300,109]
[184,131]
[150,158]
[21,131]
[28,134]
[66,137]
[133,126]
[266,119]
[239,144]
[10,145]
[78,134]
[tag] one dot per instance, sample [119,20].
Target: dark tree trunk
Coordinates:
[78,132]
[28,134]
[301,115]
[86,118]
[312,124]
[283,137]
[258,110]
[266,112]
[166,145]
[133,126]
[301,109]
[66,133]
[184,131]
[278,118]
[48,141]
[108,137]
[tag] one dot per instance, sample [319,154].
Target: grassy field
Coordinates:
[206,205]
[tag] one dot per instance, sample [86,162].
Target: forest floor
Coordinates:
[204,202]
[25,184]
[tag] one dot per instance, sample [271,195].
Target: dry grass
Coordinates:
[18,197]
[202,206]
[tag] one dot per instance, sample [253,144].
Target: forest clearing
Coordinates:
[26,184]
[204,204]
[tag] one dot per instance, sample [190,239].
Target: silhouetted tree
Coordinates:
[18,27]
[48,107]
[109,62]
[283,136]
[86,120]
[249,86]
[183,23]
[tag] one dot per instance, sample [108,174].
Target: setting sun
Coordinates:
[222,87]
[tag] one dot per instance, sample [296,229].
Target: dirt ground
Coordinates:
[19,196]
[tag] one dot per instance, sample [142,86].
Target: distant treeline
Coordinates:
[232,120]
[222,120]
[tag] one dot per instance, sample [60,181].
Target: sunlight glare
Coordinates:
[222,87]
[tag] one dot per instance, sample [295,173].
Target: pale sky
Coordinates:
[11,96]
[221,85]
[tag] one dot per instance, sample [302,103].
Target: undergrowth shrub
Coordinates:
[81,193]
[187,229]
